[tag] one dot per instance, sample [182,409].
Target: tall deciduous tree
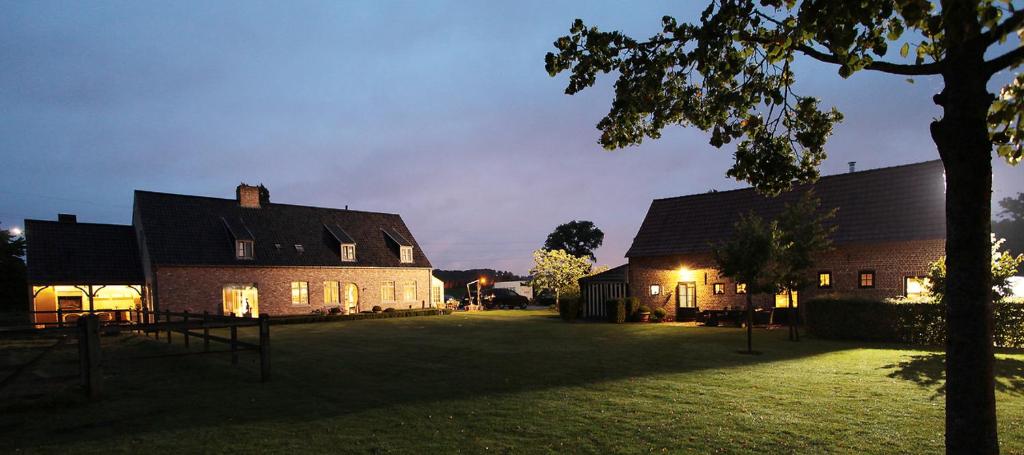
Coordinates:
[732,74]
[578,238]
[558,271]
[13,287]
[749,257]
[804,234]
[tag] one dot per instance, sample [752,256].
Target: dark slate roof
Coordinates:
[617,274]
[879,205]
[190,230]
[81,253]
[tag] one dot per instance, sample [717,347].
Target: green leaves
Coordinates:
[1006,121]
[905,50]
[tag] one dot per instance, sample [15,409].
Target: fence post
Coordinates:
[264,347]
[167,318]
[206,330]
[145,316]
[185,320]
[234,344]
[89,355]
[60,317]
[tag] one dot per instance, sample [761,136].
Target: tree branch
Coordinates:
[1009,25]
[1014,57]
[924,69]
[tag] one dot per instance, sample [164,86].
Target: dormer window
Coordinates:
[406,254]
[243,249]
[299,248]
[348,252]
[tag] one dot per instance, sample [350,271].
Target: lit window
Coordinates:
[348,253]
[655,289]
[300,293]
[824,280]
[718,288]
[387,291]
[916,286]
[243,249]
[332,292]
[409,291]
[741,288]
[867,279]
[406,254]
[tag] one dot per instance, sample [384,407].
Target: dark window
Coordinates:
[866,279]
[718,288]
[824,280]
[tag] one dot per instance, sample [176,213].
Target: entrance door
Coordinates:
[241,300]
[686,301]
[351,298]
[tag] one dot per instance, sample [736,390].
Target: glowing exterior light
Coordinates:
[483,280]
[15,231]
[685,274]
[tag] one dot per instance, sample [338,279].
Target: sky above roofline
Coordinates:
[439,111]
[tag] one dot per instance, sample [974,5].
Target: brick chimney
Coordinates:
[251,197]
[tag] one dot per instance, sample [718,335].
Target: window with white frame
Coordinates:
[300,293]
[243,249]
[348,252]
[409,291]
[387,291]
[916,286]
[406,254]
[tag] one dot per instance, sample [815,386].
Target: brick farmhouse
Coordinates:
[241,256]
[890,225]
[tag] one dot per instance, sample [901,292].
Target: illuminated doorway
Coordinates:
[241,300]
[351,298]
[686,301]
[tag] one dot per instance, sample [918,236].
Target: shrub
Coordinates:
[569,309]
[660,313]
[376,309]
[389,310]
[616,310]
[902,321]
[632,308]
[644,309]
[334,310]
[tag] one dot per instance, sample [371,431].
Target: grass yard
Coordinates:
[508,382]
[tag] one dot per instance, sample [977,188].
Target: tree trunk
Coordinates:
[962,139]
[750,324]
[558,305]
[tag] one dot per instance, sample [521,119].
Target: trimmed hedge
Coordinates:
[632,308]
[303,319]
[912,323]
[616,310]
[569,309]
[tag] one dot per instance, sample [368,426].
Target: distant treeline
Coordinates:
[457,279]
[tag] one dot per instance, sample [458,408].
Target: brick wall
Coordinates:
[199,289]
[892,262]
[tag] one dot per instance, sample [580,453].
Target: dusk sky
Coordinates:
[439,111]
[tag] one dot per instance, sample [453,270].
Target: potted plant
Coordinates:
[644,313]
[659,314]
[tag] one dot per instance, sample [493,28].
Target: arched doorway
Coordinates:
[351,298]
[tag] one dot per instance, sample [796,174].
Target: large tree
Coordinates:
[749,257]
[1010,223]
[558,271]
[804,234]
[13,287]
[732,74]
[578,238]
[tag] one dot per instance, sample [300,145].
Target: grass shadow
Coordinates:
[929,372]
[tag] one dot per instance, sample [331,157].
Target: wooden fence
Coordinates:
[163,325]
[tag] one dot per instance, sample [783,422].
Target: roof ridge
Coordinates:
[832,176]
[161,193]
[77,223]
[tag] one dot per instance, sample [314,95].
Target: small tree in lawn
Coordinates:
[802,236]
[749,257]
[557,271]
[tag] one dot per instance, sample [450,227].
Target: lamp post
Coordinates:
[469,294]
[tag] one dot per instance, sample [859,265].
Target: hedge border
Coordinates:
[311,318]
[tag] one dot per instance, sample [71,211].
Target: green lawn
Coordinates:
[512,381]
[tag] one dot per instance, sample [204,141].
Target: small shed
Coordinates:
[596,289]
